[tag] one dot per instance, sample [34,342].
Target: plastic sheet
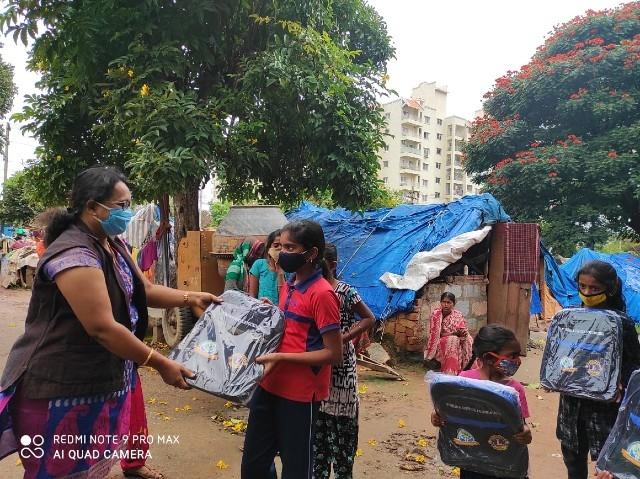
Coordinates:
[384,240]
[620,454]
[223,345]
[583,354]
[481,418]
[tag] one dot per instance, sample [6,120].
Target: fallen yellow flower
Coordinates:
[422,442]
[359,453]
[152,401]
[373,442]
[18,462]
[163,403]
[222,465]
[401,423]
[228,404]
[363,389]
[456,471]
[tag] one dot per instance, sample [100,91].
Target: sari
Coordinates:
[453,352]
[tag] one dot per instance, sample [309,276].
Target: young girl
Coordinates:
[498,352]
[264,276]
[336,438]
[285,405]
[584,424]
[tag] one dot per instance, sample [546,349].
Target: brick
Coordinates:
[399,329]
[415,340]
[479,308]
[414,348]
[464,307]
[401,340]
[408,332]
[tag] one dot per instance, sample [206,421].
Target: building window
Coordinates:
[469,188]
[425,198]
[386,130]
[438,165]
[437,195]
[427,120]
[425,166]
[386,147]
[385,180]
[425,135]
[439,136]
[425,183]
[385,164]
[439,121]
[437,180]
[387,115]
[438,151]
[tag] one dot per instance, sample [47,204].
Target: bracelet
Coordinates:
[146,361]
[185,298]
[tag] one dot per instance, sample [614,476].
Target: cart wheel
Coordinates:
[176,324]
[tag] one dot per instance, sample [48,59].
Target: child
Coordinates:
[336,438]
[498,353]
[584,424]
[264,276]
[284,408]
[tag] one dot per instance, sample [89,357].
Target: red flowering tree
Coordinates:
[560,137]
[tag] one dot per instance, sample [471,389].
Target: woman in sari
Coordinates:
[449,340]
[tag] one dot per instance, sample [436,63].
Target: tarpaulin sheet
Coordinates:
[561,278]
[620,454]
[480,418]
[384,240]
[223,345]
[583,353]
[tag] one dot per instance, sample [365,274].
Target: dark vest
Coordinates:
[55,357]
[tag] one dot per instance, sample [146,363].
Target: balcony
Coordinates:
[411,136]
[407,165]
[411,119]
[410,150]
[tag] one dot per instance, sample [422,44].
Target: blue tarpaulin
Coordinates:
[562,283]
[384,240]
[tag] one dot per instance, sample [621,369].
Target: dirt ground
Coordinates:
[394,421]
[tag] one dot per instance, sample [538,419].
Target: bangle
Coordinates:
[185,298]
[146,361]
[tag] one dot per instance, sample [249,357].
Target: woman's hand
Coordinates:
[436,419]
[269,361]
[603,475]
[173,373]
[524,436]
[461,333]
[201,300]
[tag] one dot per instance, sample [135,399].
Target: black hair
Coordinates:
[448,295]
[310,235]
[606,274]
[95,183]
[330,252]
[270,239]
[490,339]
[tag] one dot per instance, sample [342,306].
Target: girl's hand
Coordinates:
[200,300]
[436,420]
[269,361]
[603,475]
[174,373]
[524,436]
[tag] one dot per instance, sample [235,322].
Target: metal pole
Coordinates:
[6,169]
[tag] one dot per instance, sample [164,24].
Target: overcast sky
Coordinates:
[464,45]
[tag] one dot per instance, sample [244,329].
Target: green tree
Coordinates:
[277,98]
[218,210]
[17,206]
[8,91]
[559,140]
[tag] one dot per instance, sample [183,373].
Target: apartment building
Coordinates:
[423,153]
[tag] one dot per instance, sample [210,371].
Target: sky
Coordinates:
[464,44]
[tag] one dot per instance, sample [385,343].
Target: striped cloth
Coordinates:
[521,252]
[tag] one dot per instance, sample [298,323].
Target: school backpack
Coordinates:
[224,343]
[620,454]
[481,418]
[583,353]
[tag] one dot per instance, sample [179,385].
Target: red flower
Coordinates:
[612,154]
[552,160]
[553,174]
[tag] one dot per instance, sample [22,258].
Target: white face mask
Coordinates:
[274,253]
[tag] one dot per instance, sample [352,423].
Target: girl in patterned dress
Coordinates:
[336,437]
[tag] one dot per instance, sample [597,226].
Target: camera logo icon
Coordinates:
[31,446]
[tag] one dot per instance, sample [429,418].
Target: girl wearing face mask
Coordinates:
[265,277]
[584,424]
[297,377]
[498,353]
[75,367]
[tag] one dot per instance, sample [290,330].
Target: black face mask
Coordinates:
[291,262]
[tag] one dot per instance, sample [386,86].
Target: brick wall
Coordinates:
[410,329]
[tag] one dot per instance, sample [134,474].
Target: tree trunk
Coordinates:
[187,216]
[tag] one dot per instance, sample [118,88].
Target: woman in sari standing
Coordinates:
[449,339]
